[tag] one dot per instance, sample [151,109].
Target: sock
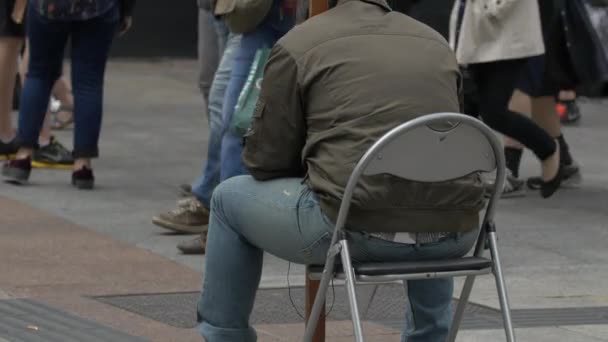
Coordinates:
[564,151]
[513,159]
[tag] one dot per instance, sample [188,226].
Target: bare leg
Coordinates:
[543,113]
[9,53]
[24,153]
[82,162]
[63,92]
[45,133]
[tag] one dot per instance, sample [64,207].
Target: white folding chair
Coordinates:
[432,148]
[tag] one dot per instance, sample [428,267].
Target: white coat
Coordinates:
[494,30]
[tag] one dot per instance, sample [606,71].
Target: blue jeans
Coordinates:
[90,41]
[212,36]
[274,26]
[203,187]
[282,217]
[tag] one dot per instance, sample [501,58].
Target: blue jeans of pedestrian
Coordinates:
[203,187]
[90,44]
[212,35]
[283,217]
[274,26]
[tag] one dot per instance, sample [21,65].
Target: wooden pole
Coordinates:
[318,6]
[312,286]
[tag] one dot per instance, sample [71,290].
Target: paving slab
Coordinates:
[4,295]
[561,334]
[62,265]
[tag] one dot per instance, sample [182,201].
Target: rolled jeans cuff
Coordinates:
[215,334]
[91,152]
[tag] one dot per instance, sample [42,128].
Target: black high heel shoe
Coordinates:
[547,189]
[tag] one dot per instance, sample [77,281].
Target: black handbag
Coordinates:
[586,37]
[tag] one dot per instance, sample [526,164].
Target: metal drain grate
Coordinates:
[24,320]
[274,307]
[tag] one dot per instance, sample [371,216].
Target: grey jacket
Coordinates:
[337,83]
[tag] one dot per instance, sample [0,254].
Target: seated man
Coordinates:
[332,87]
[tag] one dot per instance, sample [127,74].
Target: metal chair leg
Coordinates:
[352,292]
[502,289]
[462,304]
[319,304]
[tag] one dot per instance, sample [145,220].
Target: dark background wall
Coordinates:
[161,28]
[169,28]
[435,13]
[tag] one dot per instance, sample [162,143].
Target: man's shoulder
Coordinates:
[333,25]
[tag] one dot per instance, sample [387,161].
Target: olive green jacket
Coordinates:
[337,83]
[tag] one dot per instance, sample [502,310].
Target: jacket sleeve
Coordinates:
[127,7]
[274,143]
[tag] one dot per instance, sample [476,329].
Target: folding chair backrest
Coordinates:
[432,148]
[432,151]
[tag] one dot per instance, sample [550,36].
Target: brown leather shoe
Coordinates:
[188,218]
[194,246]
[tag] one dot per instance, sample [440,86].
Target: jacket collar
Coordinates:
[381,3]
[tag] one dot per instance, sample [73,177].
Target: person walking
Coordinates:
[91,27]
[216,52]
[237,61]
[495,39]
[61,107]
[51,153]
[537,91]
[535,96]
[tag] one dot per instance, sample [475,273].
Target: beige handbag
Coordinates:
[242,16]
[493,8]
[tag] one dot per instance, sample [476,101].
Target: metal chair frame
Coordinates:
[371,164]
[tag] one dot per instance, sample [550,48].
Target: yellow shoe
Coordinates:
[53,156]
[4,157]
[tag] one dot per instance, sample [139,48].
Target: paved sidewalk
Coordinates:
[62,248]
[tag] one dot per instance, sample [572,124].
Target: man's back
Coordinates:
[360,71]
